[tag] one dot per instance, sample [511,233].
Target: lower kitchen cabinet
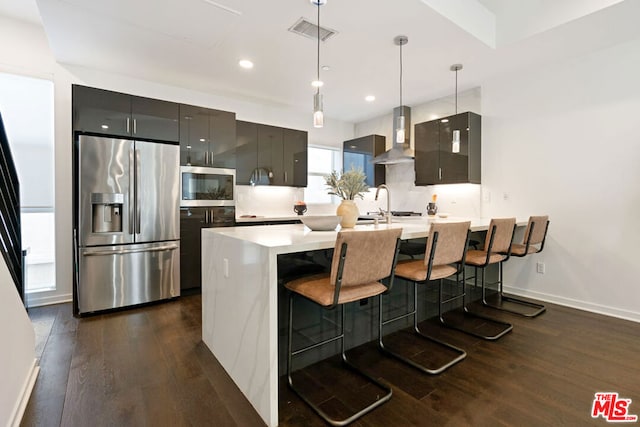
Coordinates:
[192,221]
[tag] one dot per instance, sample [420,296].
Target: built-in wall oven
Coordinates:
[207,199]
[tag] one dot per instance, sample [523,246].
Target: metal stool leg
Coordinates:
[536,309]
[291,353]
[504,327]
[461,354]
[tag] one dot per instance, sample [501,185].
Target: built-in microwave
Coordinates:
[202,186]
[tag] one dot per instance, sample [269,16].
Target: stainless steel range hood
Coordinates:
[400,152]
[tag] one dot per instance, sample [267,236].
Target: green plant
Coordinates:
[348,186]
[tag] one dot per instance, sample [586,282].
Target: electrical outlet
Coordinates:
[540,267]
[486,196]
[225,267]
[505,196]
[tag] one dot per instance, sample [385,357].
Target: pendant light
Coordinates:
[318,114]
[400,123]
[455,142]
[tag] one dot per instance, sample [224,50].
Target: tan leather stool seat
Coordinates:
[319,289]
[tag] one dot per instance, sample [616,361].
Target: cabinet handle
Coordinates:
[128,124]
[134,126]
[211,157]
[286,179]
[211,216]
[440,174]
[206,157]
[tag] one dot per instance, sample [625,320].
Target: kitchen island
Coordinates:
[240,297]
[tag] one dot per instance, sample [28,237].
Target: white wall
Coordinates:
[18,355]
[563,140]
[25,51]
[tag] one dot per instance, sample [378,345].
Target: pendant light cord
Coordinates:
[401,43]
[456,91]
[318,63]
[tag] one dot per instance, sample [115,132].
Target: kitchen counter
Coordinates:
[257,218]
[240,297]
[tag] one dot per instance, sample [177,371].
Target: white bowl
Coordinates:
[321,222]
[443,215]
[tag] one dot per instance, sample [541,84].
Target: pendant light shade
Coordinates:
[400,134]
[400,125]
[318,114]
[455,141]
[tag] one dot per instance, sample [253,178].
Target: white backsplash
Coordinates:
[275,202]
[454,199]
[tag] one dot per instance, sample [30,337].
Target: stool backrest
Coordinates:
[539,225]
[502,237]
[452,241]
[370,255]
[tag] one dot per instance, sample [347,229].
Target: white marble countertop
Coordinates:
[297,237]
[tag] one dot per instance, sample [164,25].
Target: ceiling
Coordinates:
[196,44]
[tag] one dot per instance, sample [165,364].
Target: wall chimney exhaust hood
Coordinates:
[400,152]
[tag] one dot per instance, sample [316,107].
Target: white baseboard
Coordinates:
[573,303]
[37,299]
[21,405]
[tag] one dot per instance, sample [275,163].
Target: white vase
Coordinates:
[349,212]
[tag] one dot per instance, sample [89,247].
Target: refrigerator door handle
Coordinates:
[132,191]
[137,192]
[170,247]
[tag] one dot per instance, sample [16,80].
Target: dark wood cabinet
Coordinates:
[118,114]
[192,221]
[207,137]
[270,155]
[358,154]
[435,161]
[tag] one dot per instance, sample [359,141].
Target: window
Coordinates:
[27,109]
[322,161]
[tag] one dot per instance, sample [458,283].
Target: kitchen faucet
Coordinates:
[388,214]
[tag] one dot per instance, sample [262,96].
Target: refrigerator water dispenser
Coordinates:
[107,212]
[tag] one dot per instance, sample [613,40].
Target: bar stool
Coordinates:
[535,234]
[446,245]
[361,259]
[497,242]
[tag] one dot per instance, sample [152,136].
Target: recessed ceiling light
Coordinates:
[104,127]
[202,140]
[245,63]
[317,83]
[444,121]
[326,68]
[369,98]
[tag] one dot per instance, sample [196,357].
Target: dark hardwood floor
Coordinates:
[148,366]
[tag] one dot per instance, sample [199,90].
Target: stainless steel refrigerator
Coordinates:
[126,225]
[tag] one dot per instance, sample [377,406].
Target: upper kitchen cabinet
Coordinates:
[435,161]
[246,151]
[294,158]
[270,155]
[118,114]
[358,154]
[207,137]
